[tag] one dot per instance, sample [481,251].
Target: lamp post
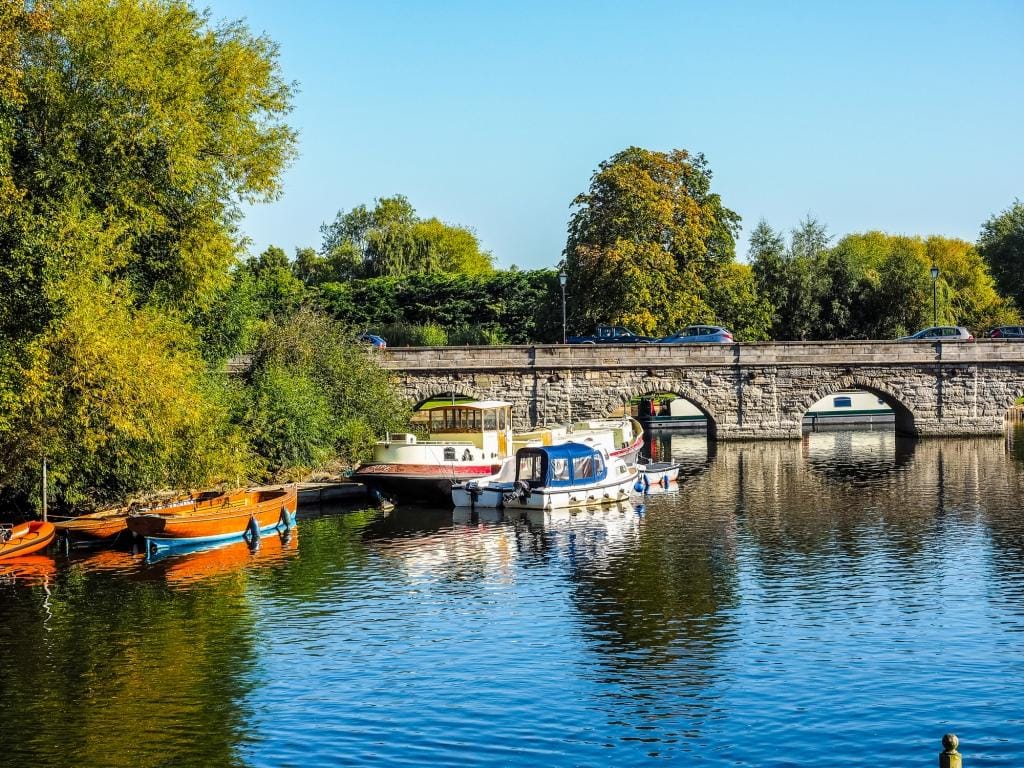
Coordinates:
[561,282]
[935,296]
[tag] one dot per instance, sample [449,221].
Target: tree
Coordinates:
[129,134]
[645,240]
[1002,246]
[391,241]
[794,280]
[316,395]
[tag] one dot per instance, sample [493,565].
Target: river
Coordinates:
[846,599]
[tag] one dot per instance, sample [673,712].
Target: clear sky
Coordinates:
[901,116]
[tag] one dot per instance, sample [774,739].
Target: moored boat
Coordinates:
[487,492]
[568,476]
[466,441]
[623,437]
[230,516]
[105,525]
[26,538]
[655,473]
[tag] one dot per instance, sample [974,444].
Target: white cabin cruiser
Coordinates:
[567,476]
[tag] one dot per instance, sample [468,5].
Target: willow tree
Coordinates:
[646,242]
[130,132]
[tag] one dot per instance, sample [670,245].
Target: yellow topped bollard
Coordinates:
[949,757]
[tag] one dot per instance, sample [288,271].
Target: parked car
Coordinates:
[378,342]
[941,333]
[611,334]
[1007,332]
[704,334]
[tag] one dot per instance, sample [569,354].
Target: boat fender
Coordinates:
[252,530]
[664,481]
[638,486]
[287,519]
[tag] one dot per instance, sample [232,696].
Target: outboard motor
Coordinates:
[520,490]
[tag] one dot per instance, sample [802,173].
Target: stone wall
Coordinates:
[746,390]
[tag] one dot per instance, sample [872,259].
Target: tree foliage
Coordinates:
[1002,246]
[315,397]
[871,285]
[646,241]
[390,240]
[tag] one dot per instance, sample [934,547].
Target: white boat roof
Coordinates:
[476,404]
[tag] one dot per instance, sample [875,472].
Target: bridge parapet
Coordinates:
[554,356]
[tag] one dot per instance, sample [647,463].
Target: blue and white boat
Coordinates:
[568,476]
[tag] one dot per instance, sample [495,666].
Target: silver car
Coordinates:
[703,334]
[941,333]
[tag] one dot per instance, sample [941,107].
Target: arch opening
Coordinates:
[667,410]
[854,406]
[1015,426]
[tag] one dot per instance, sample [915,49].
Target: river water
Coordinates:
[846,599]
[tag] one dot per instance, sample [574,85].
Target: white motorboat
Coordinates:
[487,492]
[568,476]
[659,474]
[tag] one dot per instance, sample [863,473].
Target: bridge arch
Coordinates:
[420,395]
[904,415]
[655,386]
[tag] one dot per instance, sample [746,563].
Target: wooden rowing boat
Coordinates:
[231,517]
[105,525]
[25,539]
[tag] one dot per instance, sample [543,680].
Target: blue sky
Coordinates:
[906,117]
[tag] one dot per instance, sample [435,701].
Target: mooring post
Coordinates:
[949,757]
[44,489]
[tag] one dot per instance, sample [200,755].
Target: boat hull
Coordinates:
[27,538]
[187,526]
[420,483]
[94,528]
[613,491]
[656,474]
[485,496]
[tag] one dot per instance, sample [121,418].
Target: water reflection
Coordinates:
[801,598]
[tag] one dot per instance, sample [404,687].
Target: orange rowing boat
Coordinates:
[219,520]
[103,526]
[25,539]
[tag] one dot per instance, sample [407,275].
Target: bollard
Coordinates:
[949,757]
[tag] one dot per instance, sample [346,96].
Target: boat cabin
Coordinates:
[487,424]
[563,465]
[478,431]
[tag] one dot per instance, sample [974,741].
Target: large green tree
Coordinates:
[130,131]
[646,240]
[1002,246]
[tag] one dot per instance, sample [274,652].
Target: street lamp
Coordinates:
[561,282]
[935,296]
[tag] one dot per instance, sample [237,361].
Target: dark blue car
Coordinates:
[373,340]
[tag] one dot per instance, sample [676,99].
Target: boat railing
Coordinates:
[440,442]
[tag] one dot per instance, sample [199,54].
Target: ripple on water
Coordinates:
[851,594]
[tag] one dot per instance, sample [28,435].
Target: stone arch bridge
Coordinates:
[747,391]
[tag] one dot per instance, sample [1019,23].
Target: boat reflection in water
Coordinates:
[184,566]
[30,570]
